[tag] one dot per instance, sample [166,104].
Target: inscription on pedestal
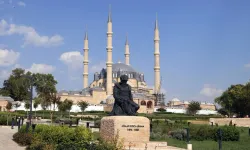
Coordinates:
[129,128]
[133,127]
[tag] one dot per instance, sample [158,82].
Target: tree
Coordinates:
[83,105]
[27,106]
[9,106]
[234,100]
[17,85]
[44,105]
[68,104]
[193,107]
[37,101]
[45,86]
[65,106]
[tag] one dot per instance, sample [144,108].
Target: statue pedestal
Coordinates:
[127,128]
[133,131]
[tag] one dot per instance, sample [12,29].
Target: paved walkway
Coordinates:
[6,142]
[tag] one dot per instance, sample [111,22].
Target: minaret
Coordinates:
[127,51]
[109,55]
[157,57]
[85,61]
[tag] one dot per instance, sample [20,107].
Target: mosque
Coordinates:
[100,90]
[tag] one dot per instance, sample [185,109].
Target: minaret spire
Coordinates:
[85,60]
[157,57]
[127,51]
[109,55]
[109,16]
[156,22]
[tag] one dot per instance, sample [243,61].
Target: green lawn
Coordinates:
[243,144]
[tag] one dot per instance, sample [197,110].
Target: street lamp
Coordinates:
[31,96]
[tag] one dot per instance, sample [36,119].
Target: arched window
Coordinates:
[149,104]
[100,84]
[143,103]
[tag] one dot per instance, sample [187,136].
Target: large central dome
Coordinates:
[122,67]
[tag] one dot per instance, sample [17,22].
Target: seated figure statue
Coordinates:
[124,104]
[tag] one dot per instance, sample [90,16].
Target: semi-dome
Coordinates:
[122,67]
[175,100]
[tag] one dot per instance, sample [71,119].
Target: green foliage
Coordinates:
[65,105]
[23,139]
[202,132]
[230,133]
[236,100]
[27,105]
[161,110]
[169,129]
[179,134]
[17,85]
[4,120]
[193,107]
[60,137]
[37,101]
[83,105]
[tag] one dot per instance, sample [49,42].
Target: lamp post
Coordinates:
[31,96]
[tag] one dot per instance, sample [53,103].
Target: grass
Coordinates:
[243,144]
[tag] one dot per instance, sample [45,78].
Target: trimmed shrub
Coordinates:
[230,133]
[23,139]
[161,110]
[179,134]
[58,137]
[206,132]
[3,119]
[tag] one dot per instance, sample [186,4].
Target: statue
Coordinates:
[124,104]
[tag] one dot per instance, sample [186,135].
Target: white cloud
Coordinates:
[247,65]
[8,57]
[20,3]
[4,74]
[210,91]
[73,59]
[31,37]
[97,67]
[41,68]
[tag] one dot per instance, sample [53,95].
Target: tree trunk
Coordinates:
[7,119]
[51,116]
[35,112]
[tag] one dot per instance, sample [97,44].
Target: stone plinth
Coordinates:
[128,128]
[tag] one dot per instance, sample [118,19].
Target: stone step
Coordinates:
[149,146]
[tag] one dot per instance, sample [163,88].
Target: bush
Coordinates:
[179,134]
[161,110]
[230,133]
[206,132]
[23,139]
[3,120]
[58,137]
[203,132]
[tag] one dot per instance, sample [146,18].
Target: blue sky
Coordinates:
[204,46]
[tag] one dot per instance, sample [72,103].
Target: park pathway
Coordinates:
[6,142]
